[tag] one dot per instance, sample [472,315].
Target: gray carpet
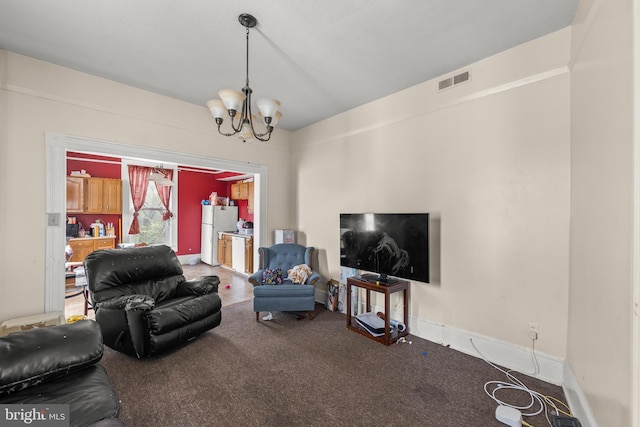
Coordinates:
[289,372]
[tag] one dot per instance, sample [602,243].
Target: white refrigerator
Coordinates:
[214,220]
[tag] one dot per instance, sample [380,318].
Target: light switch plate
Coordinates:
[53,219]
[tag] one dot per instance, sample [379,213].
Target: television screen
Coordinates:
[394,245]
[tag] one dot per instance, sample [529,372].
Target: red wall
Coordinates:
[99,167]
[194,185]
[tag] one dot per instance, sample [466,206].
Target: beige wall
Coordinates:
[489,160]
[600,291]
[42,98]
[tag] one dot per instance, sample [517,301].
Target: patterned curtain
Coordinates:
[165,193]
[138,182]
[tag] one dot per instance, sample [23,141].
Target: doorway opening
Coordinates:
[57,146]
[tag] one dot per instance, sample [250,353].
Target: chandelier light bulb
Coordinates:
[217,108]
[232,100]
[267,106]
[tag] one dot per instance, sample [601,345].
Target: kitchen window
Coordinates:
[153,230]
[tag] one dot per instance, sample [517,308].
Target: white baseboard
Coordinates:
[508,355]
[576,399]
[190,259]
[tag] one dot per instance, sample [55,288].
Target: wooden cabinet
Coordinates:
[248,255]
[94,195]
[76,195]
[221,244]
[83,246]
[236,191]
[225,247]
[242,191]
[250,198]
[111,196]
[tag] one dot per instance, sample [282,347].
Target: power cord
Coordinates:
[538,403]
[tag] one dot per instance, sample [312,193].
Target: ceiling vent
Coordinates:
[452,81]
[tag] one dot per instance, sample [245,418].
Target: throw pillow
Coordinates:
[272,277]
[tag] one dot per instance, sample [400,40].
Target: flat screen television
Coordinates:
[387,244]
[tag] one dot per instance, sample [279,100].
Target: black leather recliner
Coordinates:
[59,365]
[144,304]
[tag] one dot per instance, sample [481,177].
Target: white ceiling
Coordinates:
[318,57]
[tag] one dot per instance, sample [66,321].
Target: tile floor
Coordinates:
[233,287]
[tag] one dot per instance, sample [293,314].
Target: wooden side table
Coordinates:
[400,285]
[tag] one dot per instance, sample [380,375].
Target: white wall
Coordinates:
[600,293]
[489,159]
[42,97]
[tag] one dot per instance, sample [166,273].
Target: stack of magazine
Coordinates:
[373,324]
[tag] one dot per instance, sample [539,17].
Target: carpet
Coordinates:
[290,372]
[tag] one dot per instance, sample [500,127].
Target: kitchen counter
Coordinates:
[92,238]
[237,234]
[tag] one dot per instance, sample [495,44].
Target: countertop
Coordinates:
[236,234]
[93,238]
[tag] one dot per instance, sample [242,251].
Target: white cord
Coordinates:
[518,385]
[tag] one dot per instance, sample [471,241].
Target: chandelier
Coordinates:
[237,104]
[160,177]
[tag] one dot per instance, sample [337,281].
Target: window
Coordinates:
[153,230]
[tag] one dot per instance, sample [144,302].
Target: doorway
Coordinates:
[57,145]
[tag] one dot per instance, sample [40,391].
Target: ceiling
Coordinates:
[318,57]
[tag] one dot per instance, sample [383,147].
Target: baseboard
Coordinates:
[499,352]
[190,259]
[576,399]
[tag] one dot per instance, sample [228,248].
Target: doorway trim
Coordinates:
[56,147]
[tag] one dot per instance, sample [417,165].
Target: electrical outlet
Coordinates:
[533,331]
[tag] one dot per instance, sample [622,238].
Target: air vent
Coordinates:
[452,81]
[445,83]
[461,78]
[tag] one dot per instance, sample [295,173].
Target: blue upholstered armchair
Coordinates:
[274,290]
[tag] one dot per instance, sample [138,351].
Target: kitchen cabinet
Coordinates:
[83,246]
[248,255]
[250,198]
[225,248]
[94,195]
[76,194]
[235,191]
[235,251]
[221,245]
[94,192]
[111,196]
[242,190]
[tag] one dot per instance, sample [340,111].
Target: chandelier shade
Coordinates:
[236,105]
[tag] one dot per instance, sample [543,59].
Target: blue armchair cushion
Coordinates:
[272,276]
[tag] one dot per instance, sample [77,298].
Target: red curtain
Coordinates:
[138,182]
[165,193]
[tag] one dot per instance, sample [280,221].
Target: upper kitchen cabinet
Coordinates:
[94,195]
[113,195]
[242,191]
[76,195]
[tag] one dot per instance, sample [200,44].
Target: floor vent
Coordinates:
[452,81]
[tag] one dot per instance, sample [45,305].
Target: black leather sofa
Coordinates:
[144,304]
[59,365]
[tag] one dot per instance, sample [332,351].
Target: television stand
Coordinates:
[389,337]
